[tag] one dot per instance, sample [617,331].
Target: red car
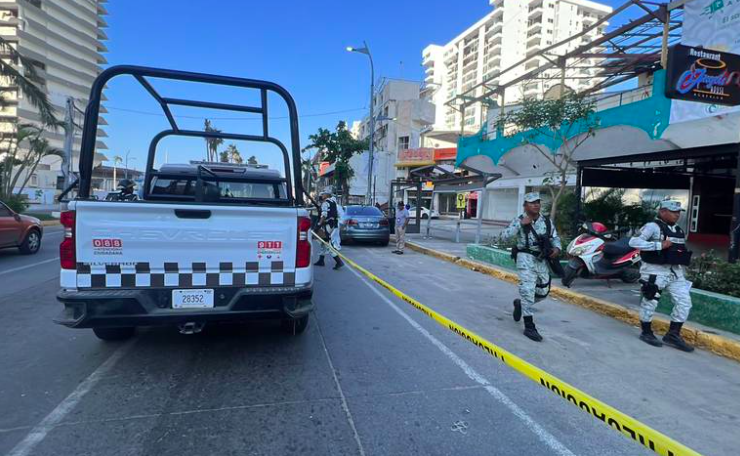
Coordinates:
[19,231]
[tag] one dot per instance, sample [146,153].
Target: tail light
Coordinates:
[384,222]
[303,247]
[67,256]
[352,222]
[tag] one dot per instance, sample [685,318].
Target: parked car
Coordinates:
[364,223]
[19,231]
[425,213]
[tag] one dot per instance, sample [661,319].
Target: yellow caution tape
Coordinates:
[625,424]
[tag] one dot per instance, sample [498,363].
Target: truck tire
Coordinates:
[32,243]
[109,334]
[294,326]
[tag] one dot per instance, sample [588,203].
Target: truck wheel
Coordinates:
[569,276]
[32,243]
[630,275]
[295,326]
[114,333]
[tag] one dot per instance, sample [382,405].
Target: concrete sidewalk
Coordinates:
[690,397]
[612,298]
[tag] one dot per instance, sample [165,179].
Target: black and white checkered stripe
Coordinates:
[174,275]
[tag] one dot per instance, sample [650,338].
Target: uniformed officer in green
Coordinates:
[532,267]
[662,246]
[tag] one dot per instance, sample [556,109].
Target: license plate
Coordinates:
[192,299]
[368,225]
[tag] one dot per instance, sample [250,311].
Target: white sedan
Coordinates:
[425,213]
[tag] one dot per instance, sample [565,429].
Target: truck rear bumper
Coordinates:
[153,306]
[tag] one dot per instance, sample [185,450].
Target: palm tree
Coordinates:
[212,143]
[39,149]
[27,82]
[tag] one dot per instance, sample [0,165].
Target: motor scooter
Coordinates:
[596,254]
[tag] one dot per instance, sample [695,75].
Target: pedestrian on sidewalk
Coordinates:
[536,241]
[662,246]
[329,223]
[402,221]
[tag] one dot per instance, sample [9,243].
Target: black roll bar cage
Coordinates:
[140,73]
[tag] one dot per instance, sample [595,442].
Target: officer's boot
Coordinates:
[530,330]
[320,262]
[339,262]
[647,335]
[517,309]
[673,338]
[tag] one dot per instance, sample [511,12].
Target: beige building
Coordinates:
[65,41]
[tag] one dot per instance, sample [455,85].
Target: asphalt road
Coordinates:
[370,376]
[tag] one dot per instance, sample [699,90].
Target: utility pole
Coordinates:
[69,135]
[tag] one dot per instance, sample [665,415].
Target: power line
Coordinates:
[159,114]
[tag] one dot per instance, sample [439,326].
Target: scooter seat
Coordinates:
[617,248]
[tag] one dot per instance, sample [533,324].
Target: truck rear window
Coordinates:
[218,190]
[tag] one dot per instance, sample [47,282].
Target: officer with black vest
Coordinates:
[664,259]
[329,222]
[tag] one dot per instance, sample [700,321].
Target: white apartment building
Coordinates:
[403,119]
[64,39]
[501,39]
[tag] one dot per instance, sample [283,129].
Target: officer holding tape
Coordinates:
[537,242]
[329,222]
[664,258]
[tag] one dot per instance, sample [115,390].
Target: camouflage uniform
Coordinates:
[670,278]
[534,274]
[663,269]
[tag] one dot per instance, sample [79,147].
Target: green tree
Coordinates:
[252,160]
[28,82]
[233,154]
[212,143]
[26,148]
[568,121]
[223,156]
[338,147]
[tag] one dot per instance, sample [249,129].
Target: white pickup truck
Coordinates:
[206,242]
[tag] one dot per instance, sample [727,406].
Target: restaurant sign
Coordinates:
[703,75]
[416,155]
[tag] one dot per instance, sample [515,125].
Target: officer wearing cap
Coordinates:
[664,258]
[329,222]
[531,229]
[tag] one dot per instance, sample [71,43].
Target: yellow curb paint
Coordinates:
[715,343]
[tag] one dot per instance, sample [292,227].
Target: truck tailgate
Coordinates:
[131,245]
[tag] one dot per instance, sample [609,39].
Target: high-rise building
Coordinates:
[514,30]
[64,40]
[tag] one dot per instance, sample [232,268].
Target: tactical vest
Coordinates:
[332,215]
[676,254]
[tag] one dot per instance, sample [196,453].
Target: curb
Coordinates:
[717,344]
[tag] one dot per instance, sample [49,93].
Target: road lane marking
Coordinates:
[541,433]
[345,406]
[28,266]
[41,430]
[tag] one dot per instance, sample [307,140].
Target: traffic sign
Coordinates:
[461,203]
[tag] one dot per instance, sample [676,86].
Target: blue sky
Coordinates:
[300,45]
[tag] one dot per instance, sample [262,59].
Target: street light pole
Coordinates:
[366,50]
[126,165]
